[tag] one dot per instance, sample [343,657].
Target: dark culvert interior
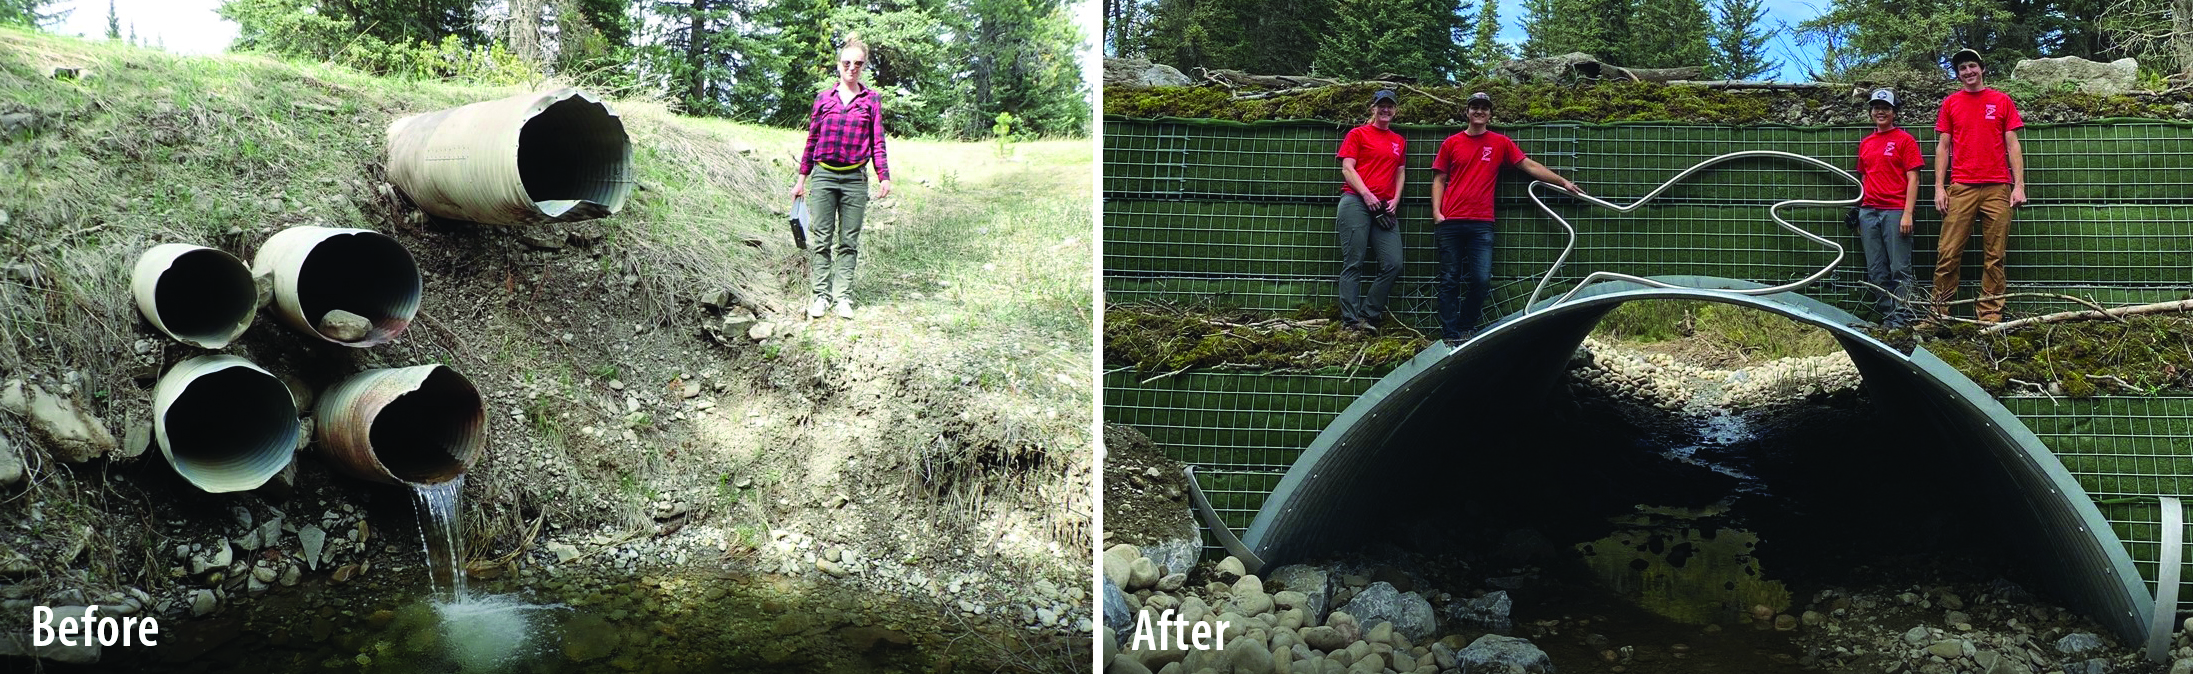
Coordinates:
[366,274]
[1611,524]
[204,295]
[424,436]
[573,151]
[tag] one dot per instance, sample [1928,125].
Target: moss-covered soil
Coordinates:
[1162,338]
[2144,355]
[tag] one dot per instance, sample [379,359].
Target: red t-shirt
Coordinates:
[1472,165]
[1975,122]
[1377,153]
[1883,159]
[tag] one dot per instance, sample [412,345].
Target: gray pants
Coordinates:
[1888,262]
[836,203]
[1358,236]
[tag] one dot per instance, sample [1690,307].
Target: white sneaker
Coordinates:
[816,308]
[845,309]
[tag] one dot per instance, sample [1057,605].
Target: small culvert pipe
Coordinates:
[557,156]
[354,287]
[223,423]
[200,296]
[413,425]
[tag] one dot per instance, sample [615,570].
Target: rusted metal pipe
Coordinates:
[324,275]
[223,423]
[555,156]
[200,296]
[412,425]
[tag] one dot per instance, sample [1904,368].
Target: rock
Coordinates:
[202,602]
[1228,570]
[1552,69]
[17,124]
[832,568]
[761,331]
[1947,648]
[343,326]
[135,440]
[1172,583]
[346,572]
[75,435]
[2090,77]
[1312,582]
[1325,638]
[1410,614]
[2078,642]
[692,390]
[1134,73]
[1141,574]
[1126,664]
[1916,635]
[215,557]
[541,238]
[1248,655]
[1785,622]
[1178,552]
[1116,614]
[1489,612]
[1118,563]
[1813,618]
[314,540]
[589,637]
[291,574]
[86,651]
[1495,653]
[11,463]
[2183,665]
[14,563]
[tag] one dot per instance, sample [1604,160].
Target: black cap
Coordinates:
[1384,96]
[1480,97]
[1964,55]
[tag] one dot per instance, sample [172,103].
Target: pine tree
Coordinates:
[114,22]
[1485,49]
[1595,27]
[1668,34]
[1739,44]
[30,14]
[1414,39]
[1259,36]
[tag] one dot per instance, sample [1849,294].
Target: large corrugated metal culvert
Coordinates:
[321,270]
[198,295]
[556,156]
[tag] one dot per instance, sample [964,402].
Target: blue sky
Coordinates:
[1779,12]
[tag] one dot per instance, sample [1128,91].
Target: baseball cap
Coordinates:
[1883,96]
[1964,55]
[1384,96]
[1480,97]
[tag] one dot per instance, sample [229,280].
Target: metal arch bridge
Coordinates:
[1318,501]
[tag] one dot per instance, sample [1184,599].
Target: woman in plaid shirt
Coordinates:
[844,134]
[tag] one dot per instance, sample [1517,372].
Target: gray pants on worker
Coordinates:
[836,203]
[1360,237]
[1888,263]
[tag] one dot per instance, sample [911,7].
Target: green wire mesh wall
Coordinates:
[2125,452]
[1242,214]
[1240,431]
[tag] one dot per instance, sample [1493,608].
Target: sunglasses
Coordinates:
[855,65]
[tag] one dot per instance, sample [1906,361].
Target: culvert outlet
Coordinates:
[319,271]
[1507,372]
[557,156]
[223,423]
[414,425]
[200,296]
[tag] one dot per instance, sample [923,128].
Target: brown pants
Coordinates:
[1990,205]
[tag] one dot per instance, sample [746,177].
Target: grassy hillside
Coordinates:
[941,439]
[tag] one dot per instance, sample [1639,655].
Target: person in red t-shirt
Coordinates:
[1370,172]
[1463,176]
[1979,174]
[1888,168]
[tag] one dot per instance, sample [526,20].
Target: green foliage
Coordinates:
[306,29]
[1667,34]
[1520,103]
[114,22]
[908,61]
[1739,44]
[2144,355]
[1163,338]
[1485,47]
[1855,34]
[1596,27]
[30,13]
[1259,36]
[1003,132]
[1414,39]
[1757,335]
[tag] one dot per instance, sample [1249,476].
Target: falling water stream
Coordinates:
[478,634]
[438,536]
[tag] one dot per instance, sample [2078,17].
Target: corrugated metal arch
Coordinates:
[2079,557]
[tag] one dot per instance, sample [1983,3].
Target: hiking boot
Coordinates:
[844,309]
[816,308]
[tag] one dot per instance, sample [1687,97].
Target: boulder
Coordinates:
[1314,584]
[1133,73]
[1551,69]
[2090,77]
[1116,614]
[1495,653]
[1489,612]
[1117,563]
[11,463]
[1179,552]
[1410,613]
[2078,642]
[75,435]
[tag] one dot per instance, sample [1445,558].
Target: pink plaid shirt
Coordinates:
[843,133]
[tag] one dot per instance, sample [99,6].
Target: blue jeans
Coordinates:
[1465,251]
[1888,262]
